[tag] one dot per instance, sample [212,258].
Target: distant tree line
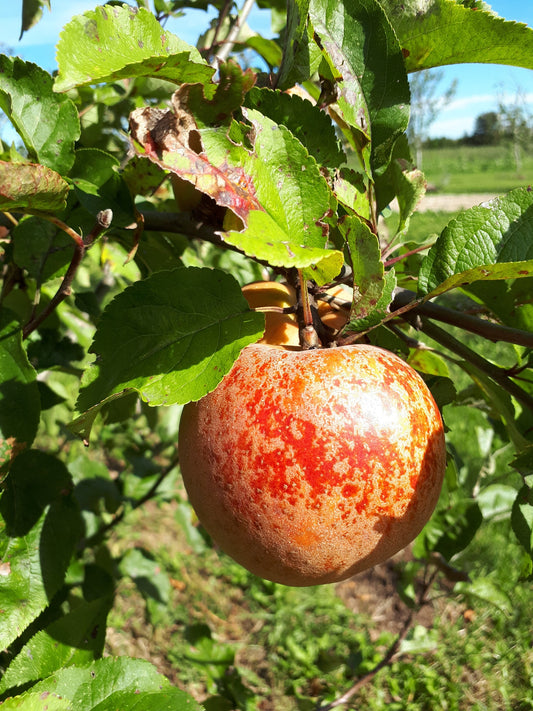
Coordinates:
[490,129]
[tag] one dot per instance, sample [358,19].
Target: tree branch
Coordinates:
[233,34]
[487,329]
[117,518]
[180,223]
[389,654]
[81,245]
[497,374]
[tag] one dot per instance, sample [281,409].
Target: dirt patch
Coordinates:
[453,203]
[449,203]
[374,594]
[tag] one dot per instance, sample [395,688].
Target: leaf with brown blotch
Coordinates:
[252,168]
[30,186]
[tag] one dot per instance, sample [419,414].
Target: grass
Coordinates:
[237,642]
[475,169]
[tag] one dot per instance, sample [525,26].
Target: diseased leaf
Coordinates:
[40,526]
[487,242]
[351,190]
[373,92]
[433,33]
[213,104]
[28,186]
[264,239]
[381,309]
[113,42]
[274,175]
[171,338]
[19,393]
[47,123]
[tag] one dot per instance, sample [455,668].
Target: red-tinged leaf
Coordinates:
[171,140]
[261,167]
[30,186]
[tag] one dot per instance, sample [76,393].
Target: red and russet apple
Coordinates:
[308,466]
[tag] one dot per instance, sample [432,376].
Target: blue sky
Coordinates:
[478,86]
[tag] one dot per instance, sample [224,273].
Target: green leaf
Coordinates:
[522,519]
[29,186]
[496,500]
[487,242]
[306,121]
[99,186]
[41,248]
[428,362]
[113,42]
[437,32]
[373,92]
[367,267]
[19,393]
[76,638]
[507,300]
[213,104]
[296,61]
[501,403]
[410,187]
[48,124]
[105,685]
[32,11]
[171,337]
[381,309]
[459,527]
[40,526]
[152,582]
[267,49]
[487,590]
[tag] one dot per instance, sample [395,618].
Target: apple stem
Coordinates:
[308,335]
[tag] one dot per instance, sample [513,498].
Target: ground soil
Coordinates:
[451,203]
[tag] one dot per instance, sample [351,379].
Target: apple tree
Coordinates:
[150,181]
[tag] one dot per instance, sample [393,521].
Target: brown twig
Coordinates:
[233,34]
[220,21]
[81,245]
[389,262]
[494,372]
[389,654]
[487,329]
[97,536]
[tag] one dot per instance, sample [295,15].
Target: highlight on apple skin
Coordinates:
[308,467]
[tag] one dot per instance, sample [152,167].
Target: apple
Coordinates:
[309,466]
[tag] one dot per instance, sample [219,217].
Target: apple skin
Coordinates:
[307,467]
